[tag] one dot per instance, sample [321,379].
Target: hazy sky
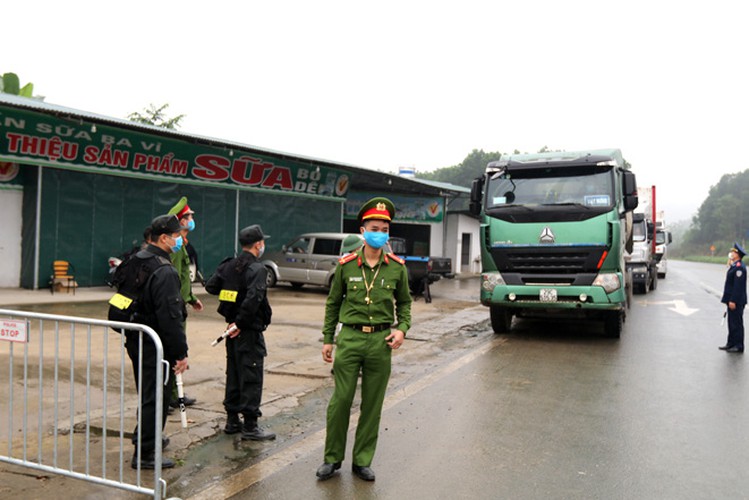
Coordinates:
[397,83]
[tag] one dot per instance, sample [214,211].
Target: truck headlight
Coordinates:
[489,281]
[609,281]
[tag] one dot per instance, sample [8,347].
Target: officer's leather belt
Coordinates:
[370,328]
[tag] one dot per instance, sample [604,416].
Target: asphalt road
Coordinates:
[556,410]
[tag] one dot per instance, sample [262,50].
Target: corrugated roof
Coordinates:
[365,179]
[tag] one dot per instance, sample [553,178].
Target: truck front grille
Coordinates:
[560,265]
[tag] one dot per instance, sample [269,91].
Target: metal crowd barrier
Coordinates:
[77,396]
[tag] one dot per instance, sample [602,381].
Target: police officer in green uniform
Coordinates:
[368,293]
[181,262]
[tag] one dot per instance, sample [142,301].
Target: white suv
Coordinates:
[310,259]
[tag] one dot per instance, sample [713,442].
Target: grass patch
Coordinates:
[705,258]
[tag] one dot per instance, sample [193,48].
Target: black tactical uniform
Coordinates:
[240,283]
[161,307]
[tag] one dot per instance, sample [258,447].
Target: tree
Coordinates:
[464,172]
[11,84]
[156,116]
[724,215]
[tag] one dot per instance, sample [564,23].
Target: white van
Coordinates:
[309,259]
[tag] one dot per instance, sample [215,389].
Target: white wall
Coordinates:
[457,224]
[437,239]
[11,201]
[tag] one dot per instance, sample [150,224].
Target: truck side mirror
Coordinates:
[629,188]
[477,187]
[670,238]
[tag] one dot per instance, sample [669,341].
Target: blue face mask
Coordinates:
[177,244]
[376,239]
[191,225]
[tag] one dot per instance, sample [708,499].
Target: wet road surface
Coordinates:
[556,410]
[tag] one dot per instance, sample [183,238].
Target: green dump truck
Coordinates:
[554,229]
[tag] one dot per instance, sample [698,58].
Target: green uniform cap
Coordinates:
[351,243]
[181,208]
[377,208]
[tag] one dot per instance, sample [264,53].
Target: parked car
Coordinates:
[422,271]
[310,259]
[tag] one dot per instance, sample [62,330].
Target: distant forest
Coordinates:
[721,219]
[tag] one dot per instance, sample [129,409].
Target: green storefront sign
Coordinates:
[30,137]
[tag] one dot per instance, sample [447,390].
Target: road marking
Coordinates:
[678,306]
[245,478]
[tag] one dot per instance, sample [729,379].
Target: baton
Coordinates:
[181,401]
[723,320]
[224,335]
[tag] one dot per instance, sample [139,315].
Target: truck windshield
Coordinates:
[550,187]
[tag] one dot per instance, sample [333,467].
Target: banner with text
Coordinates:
[68,142]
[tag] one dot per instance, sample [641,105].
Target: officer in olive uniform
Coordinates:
[164,311]
[240,283]
[181,259]
[734,296]
[181,262]
[366,286]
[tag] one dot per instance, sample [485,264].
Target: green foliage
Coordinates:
[156,116]
[11,84]
[464,172]
[474,165]
[722,218]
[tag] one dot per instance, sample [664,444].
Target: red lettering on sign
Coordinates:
[211,168]
[279,176]
[240,174]
[53,148]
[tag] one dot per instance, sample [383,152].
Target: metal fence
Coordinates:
[71,400]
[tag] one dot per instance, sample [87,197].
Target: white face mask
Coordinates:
[260,251]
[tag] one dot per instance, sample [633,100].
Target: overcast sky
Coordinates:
[420,84]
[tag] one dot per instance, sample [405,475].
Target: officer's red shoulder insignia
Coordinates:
[396,258]
[347,258]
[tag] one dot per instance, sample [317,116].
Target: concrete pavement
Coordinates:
[293,369]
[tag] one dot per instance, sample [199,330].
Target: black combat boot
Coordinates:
[233,424]
[253,432]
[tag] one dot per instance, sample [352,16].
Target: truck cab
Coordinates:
[663,239]
[554,228]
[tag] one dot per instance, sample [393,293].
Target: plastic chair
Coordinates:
[63,275]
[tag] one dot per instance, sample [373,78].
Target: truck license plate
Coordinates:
[548,295]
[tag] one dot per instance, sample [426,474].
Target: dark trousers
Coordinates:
[148,391]
[736,327]
[244,374]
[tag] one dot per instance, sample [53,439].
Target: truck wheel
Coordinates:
[612,325]
[501,319]
[270,278]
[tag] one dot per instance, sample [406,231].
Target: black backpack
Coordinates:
[130,279]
